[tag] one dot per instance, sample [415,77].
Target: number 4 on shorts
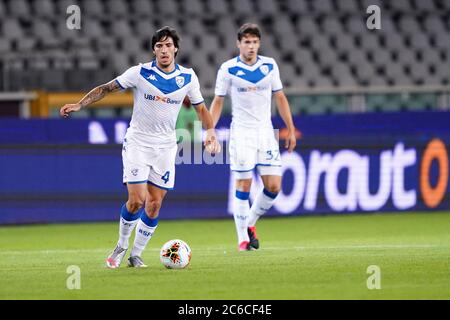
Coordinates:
[166,177]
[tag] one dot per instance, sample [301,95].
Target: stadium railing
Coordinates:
[44,104]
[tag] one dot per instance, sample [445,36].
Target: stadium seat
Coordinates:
[424,6]
[297,7]
[268,8]
[142,9]
[408,25]
[218,8]
[402,6]
[381,58]
[5,45]
[433,24]
[12,29]
[308,26]
[117,8]
[19,9]
[343,43]
[243,7]
[322,6]
[2,10]
[332,26]
[167,7]
[347,6]
[356,25]
[192,8]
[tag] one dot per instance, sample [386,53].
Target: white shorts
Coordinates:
[155,166]
[254,148]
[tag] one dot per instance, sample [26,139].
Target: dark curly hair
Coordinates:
[166,32]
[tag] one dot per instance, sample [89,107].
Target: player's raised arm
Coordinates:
[94,95]
[216,109]
[285,113]
[211,143]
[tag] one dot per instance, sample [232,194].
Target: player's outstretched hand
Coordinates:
[68,108]
[211,143]
[291,141]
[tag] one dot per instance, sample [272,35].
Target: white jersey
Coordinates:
[250,88]
[158,97]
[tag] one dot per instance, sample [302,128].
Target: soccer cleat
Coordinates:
[244,246]
[254,242]
[136,262]
[115,258]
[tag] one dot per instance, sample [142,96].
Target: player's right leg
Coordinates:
[135,174]
[269,168]
[130,213]
[147,224]
[241,210]
[242,162]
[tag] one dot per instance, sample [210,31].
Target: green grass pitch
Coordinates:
[324,257]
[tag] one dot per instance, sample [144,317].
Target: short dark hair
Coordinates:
[166,32]
[249,29]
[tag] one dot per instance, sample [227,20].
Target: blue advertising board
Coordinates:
[55,173]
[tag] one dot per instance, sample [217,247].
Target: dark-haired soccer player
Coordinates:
[149,147]
[252,80]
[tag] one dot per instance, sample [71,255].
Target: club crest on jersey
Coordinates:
[180,81]
[264,69]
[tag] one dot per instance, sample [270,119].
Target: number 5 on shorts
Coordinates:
[166,177]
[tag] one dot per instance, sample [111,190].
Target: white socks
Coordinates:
[144,232]
[126,225]
[263,202]
[241,213]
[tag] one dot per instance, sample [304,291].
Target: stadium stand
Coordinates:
[318,44]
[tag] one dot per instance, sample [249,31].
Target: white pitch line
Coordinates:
[222,249]
[375,246]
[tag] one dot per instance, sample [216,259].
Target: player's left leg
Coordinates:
[161,178]
[241,208]
[147,224]
[265,199]
[263,202]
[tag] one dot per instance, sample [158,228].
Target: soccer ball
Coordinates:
[175,254]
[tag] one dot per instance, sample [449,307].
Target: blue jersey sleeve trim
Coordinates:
[273,91]
[155,185]
[120,84]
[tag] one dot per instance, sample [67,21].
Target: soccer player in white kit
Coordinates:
[149,148]
[251,80]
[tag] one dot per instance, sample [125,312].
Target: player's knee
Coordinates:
[244,185]
[134,205]
[273,188]
[152,208]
